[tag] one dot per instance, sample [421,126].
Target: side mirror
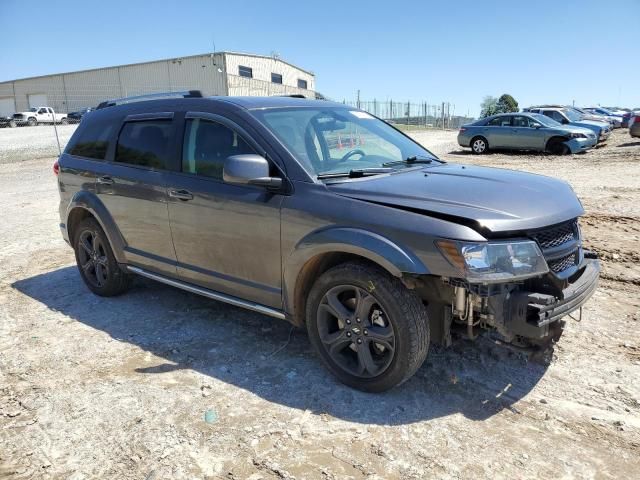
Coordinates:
[537,125]
[249,169]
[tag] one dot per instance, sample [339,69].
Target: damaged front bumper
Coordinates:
[577,145]
[530,314]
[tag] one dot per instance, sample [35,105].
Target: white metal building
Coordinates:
[220,73]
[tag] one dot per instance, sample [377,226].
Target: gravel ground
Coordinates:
[160,383]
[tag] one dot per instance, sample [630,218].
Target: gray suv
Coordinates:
[325,216]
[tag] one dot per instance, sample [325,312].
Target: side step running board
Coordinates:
[221,297]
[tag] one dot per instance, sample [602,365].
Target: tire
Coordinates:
[97,264]
[557,147]
[376,336]
[32,122]
[479,145]
[64,121]
[12,124]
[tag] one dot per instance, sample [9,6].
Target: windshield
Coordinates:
[331,139]
[546,121]
[573,116]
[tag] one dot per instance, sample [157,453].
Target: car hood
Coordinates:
[491,200]
[571,128]
[591,123]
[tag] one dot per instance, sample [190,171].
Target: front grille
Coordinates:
[556,236]
[561,264]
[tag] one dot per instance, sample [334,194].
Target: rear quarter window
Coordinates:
[92,140]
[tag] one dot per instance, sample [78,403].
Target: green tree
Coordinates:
[489,106]
[507,104]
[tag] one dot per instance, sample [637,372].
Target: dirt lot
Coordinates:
[162,384]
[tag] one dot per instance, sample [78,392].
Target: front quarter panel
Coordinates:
[317,221]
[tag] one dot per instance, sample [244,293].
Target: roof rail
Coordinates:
[293,95]
[150,96]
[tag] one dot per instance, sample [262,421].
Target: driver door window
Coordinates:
[207,144]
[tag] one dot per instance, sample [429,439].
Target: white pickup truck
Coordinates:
[36,115]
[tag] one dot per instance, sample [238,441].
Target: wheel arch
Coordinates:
[86,204]
[321,250]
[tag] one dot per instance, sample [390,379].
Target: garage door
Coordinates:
[38,100]
[7,106]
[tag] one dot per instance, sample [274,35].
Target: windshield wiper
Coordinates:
[360,172]
[413,159]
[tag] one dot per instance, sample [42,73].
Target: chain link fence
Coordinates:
[419,115]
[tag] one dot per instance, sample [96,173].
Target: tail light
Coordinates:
[56,168]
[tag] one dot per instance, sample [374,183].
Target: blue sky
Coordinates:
[538,51]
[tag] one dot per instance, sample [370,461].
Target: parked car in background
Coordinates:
[36,115]
[525,131]
[634,124]
[378,249]
[584,114]
[567,116]
[7,121]
[75,117]
[592,116]
[616,119]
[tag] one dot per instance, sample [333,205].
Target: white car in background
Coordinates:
[36,115]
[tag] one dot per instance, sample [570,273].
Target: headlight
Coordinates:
[491,262]
[578,135]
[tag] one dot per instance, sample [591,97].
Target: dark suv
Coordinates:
[323,215]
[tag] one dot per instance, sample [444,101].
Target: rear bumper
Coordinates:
[634,131]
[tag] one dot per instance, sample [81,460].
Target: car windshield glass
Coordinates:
[329,139]
[546,121]
[573,116]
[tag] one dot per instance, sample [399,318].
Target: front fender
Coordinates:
[90,202]
[394,258]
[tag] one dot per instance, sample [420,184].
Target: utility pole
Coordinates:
[358,102]
[442,114]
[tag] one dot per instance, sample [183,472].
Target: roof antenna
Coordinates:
[213,55]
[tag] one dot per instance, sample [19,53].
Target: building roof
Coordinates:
[224,52]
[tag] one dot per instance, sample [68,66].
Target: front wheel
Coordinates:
[96,262]
[369,330]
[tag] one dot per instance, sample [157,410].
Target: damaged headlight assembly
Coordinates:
[494,262]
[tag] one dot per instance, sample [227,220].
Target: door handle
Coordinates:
[181,194]
[105,180]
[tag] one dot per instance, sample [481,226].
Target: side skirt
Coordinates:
[221,297]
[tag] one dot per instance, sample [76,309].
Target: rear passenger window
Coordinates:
[206,146]
[92,140]
[144,144]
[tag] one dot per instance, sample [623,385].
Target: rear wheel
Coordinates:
[32,122]
[369,330]
[64,121]
[12,124]
[96,262]
[479,145]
